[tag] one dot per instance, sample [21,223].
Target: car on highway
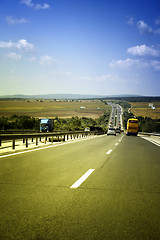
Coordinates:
[118,130]
[111,131]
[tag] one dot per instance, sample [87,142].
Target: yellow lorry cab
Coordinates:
[132,127]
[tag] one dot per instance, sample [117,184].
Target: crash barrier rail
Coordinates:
[61,136]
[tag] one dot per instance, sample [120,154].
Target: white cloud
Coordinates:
[22,44]
[68,73]
[104,78]
[155,65]
[14,56]
[12,21]
[87,78]
[48,60]
[157,22]
[44,6]
[37,6]
[143,50]
[157,31]
[130,21]
[144,28]
[136,63]
[124,63]
[32,59]
[6,44]
[28,3]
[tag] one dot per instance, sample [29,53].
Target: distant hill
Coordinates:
[65,96]
[52,96]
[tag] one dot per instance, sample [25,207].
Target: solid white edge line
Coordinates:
[109,151]
[149,140]
[82,179]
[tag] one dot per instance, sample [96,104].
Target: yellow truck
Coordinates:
[132,127]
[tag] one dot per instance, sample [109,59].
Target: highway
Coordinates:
[42,199]
[115,116]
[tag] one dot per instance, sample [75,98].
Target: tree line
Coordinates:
[68,124]
[19,123]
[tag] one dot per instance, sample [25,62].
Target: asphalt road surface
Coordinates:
[105,187]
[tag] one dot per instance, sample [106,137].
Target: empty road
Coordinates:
[106,187]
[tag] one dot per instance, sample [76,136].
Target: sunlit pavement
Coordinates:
[119,199]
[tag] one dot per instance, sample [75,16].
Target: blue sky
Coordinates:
[101,47]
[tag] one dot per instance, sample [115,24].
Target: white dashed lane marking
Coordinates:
[109,151]
[82,179]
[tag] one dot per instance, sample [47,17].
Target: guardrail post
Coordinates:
[23,140]
[13,144]
[45,140]
[26,142]
[37,141]
[0,143]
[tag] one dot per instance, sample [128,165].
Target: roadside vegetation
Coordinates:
[16,122]
[19,123]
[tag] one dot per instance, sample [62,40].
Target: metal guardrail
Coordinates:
[60,136]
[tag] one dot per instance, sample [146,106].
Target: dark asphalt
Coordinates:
[119,200]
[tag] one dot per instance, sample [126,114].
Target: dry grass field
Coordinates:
[143,109]
[51,109]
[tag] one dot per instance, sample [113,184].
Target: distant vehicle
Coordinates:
[46,125]
[132,127]
[111,131]
[96,129]
[118,130]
